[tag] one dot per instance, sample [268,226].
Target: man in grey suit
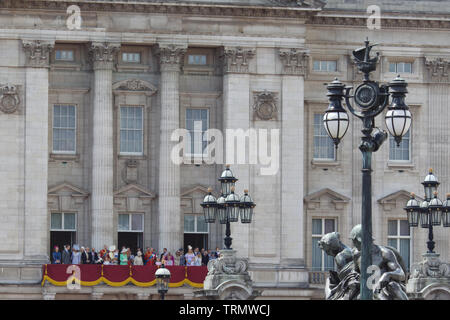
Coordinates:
[66,254]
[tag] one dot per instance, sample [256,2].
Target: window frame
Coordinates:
[63,213]
[65,50]
[196,215]
[391,139]
[396,63]
[75,128]
[128,52]
[314,145]
[317,236]
[399,237]
[320,70]
[130,221]
[142,130]
[204,137]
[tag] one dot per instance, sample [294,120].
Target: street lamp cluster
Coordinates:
[229,206]
[371,99]
[430,212]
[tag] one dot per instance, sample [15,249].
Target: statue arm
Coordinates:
[395,272]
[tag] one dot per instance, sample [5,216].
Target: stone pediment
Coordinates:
[135,191]
[391,200]
[192,197]
[66,197]
[135,85]
[192,190]
[67,189]
[314,200]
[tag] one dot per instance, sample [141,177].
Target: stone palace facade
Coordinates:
[88,107]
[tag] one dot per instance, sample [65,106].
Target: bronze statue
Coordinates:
[390,284]
[343,284]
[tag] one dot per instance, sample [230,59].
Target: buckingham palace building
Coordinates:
[97,96]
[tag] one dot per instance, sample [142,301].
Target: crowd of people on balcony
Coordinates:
[112,256]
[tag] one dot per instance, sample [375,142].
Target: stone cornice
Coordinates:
[236,59]
[281,11]
[294,61]
[103,55]
[37,52]
[388,22]
[438,69]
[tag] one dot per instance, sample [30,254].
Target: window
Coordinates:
[323,145]
[401,153]
[64,129]
[400,67]
[197,121]
[133,57]
[399,237]
[320,260]
[325,65]
[131,222]
[64,55]
[131,130]
[195,223]
[197,59]
[63,221]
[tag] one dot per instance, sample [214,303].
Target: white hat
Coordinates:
[124,251]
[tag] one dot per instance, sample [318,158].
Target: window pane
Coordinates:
[316,254]
[136,222]
[392,227]
[189,223]
[404,228]
[69,221]
[124,222]
[331,66]
[392,67]
[316,226]
[329,262]
[408,67]
[329,225]
[202,226]
[404,251]
[316,65]
[56,221]
[392,243]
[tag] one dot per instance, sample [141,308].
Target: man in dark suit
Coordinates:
[93,256]
[85,256]
[66,255]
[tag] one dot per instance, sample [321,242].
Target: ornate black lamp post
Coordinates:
[162,280]
[432,211]
[228,206]
[371,99]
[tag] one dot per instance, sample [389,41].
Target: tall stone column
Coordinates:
[169,214]
[236,107]
[103,56]
[292,149]
[36,228]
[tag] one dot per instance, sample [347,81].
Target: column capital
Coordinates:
[37,52]
[294,61]
[171,56]
[438,68]
[236,59]
[103,55]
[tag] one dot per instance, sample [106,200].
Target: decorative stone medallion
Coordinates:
[9,99]
[265,105]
